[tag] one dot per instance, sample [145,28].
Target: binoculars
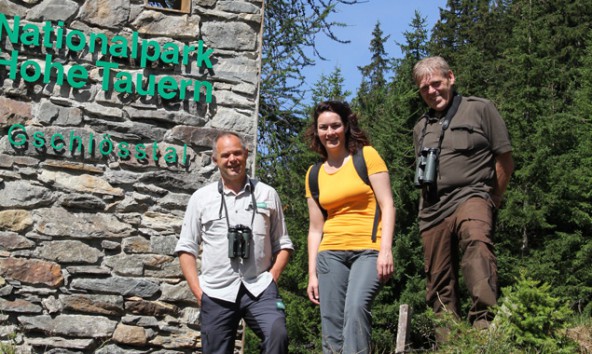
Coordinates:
[239,241]
[427,165]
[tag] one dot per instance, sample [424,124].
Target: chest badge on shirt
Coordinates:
[262,205]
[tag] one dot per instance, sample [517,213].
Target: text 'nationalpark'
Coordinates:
[145,50]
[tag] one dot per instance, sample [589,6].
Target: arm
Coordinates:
[281,244]
[381,185]
[189,269]
[280,262]
[315,234]
[504,166]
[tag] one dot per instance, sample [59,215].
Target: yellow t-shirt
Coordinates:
[350,205]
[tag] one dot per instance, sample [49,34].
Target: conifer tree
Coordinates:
[536,100]
[291,28]
[372,91]
[373,87]
[471,35]
[330,87]
[374,74]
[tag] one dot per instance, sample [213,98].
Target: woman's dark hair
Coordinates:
[355,138]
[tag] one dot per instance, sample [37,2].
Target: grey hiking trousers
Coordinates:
[348,283]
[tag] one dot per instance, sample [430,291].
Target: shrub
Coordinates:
[528,320]
[529,316]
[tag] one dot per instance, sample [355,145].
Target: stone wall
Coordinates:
[87,232]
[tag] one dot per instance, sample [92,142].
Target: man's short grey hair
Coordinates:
[225,134]
[428,66]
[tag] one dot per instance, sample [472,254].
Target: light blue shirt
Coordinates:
[205,224]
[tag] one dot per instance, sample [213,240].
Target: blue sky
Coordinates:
[394,16]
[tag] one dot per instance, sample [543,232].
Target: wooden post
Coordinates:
[403,329]
[242,345]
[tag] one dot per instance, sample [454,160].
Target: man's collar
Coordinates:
[247,186]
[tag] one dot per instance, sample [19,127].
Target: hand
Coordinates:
[313,289]
[384,265]
[275,274]
[198,296]
[497,200]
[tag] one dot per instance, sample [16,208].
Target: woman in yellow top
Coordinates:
[345,265]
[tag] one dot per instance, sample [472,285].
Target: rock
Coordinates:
[16,220]
[105,13]
[19,306]
[12,241]
[156,23]
[70,325]
[61,343]
[109,305]
[237,36]
[32,271]
[53,10]
[118,285]
[12,111]
[60,223]
[130,335]
[69,251]
[22,194]
[80,183]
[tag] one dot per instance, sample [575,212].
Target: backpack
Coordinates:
[361,169]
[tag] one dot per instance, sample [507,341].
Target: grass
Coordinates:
[8,347]
[581,332]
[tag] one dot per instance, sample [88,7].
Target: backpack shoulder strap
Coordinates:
[362,170]
[313,185]
[360,165]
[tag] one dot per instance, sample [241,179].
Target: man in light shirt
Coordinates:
[240,224]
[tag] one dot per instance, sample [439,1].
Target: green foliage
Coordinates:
[530,317]
[374,74]
[289,44]
[305,335]
[463,338]
[8,346]
[533,60]
[290,30]
[330,88]
[566,251]
[385,313]
[528,320]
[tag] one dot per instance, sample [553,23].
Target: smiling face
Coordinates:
[331,131]
[436,89]
[231,158]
